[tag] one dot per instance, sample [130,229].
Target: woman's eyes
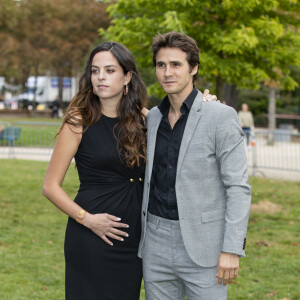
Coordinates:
[95,71]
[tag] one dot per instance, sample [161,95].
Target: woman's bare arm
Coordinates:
[104,225]
[64,151]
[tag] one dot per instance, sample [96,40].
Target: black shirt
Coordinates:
[162,199]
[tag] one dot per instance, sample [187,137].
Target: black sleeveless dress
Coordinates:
[94,269]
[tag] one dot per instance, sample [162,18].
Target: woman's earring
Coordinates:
[126,90]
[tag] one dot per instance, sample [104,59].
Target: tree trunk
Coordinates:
[230,94]
[227,93]
[219,88]
[78,75]
[271,116]
[60,92]
[298,121]
[33,112]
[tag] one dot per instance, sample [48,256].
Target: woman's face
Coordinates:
[107,77]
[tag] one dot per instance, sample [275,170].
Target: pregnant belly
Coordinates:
[122,201]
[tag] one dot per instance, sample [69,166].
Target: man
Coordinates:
[55,109]
[196,195]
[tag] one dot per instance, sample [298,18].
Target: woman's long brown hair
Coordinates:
[85,108]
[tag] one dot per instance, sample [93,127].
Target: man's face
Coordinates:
[173,71]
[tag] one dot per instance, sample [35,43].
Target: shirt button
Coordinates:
[131,180]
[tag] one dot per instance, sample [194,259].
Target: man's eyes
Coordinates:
[172,65]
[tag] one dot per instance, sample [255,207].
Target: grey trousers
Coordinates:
[168,271]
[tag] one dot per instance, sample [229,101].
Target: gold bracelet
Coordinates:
[80,216]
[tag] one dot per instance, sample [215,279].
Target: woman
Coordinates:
[104,130]
[247,122]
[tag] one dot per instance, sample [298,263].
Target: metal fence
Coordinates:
[278,150]
[27,139]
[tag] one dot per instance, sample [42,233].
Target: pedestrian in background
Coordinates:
[247,122]
[55,108]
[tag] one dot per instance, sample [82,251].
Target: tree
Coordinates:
[9,46]
[61,32]
[243,42]
[48,36]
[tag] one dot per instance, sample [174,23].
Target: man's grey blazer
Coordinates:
[213,194]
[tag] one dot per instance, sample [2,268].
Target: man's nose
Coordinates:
[168,71]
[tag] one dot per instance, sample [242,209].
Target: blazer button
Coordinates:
[131,180]
[144,213]
[244,244]
[140,179]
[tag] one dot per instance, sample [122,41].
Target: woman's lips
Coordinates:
[102,87]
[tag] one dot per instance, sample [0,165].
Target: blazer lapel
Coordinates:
[192,121]
[153,124]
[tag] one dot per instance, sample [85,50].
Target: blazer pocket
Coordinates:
[199,150]
[198,146]
[213,215]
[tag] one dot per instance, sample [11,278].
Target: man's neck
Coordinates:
[176,100]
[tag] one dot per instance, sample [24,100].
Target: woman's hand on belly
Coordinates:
[105,226]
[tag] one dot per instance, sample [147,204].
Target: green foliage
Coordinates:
[243,42]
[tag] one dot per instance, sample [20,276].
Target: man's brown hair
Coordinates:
[179,40]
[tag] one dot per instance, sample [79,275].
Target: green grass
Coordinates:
[32,235]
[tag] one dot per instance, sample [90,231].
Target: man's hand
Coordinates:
[228,267]
[207,97]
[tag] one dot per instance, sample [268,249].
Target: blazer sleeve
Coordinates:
[231,157]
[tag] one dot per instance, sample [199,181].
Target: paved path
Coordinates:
[27,153]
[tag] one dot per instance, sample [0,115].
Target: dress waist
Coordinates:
[107,182]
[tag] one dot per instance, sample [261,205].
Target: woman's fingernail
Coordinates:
[118,219]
